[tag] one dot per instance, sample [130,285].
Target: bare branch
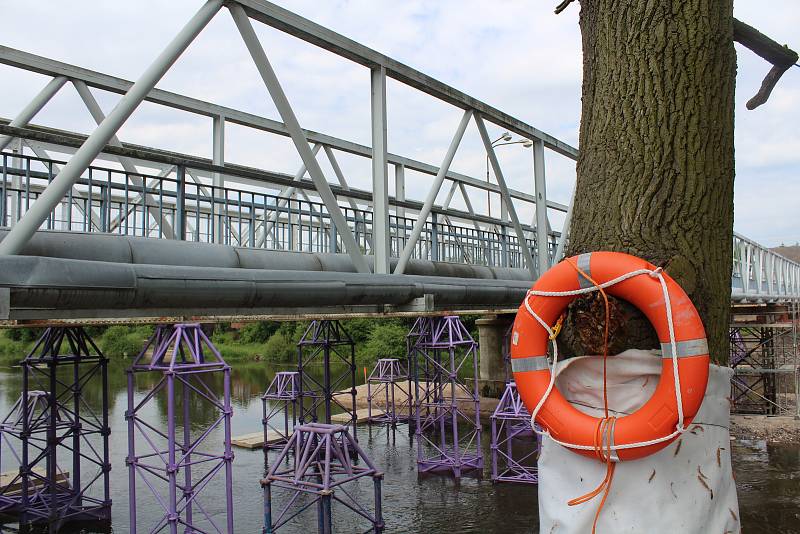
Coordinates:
[781,57]
[562,6]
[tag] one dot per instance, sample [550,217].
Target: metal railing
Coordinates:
[114,201]
[169,205]
[759,274]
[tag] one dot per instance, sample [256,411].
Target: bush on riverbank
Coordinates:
[277,342]
[12,350]
[123,341]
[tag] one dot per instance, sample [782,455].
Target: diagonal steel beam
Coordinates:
[337,170]
[40,152]
[34,106]
[286,193]
[450,194]
[468,204]
[459,242]
[422,218]
[119,219]
[301,143]
[50,198]
[131,171]
[505,197]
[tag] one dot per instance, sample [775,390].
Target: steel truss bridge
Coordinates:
[97,229]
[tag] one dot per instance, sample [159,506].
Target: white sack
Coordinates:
[674,500]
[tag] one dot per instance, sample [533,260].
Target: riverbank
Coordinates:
[775,429]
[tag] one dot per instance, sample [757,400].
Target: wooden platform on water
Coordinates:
[255,440]
[362,416]
[34,482]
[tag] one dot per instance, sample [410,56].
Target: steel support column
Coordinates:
[218,158]
[298,137]
[542,246]
[380,176]
[562,240]
[83,157]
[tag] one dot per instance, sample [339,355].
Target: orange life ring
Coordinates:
[659,415]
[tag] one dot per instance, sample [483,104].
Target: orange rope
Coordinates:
[605,426]
[557,327]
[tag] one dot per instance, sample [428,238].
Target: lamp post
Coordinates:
[506,140]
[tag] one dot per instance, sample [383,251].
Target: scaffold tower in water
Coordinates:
[514,446]
[447,410]
[314,470]
[58,442]
[327,344]
[198,496]
[279,408]
[388,394]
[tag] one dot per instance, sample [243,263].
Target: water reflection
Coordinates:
[768,480]
[768,475]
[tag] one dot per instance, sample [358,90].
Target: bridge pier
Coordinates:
[493,333]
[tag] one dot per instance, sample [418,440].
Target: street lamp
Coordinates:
[506,140]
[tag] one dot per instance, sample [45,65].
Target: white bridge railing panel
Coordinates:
[762,275]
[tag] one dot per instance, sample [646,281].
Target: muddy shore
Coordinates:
[777,429]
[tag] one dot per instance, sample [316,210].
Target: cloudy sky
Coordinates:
[515,55]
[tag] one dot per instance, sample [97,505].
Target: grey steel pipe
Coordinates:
[84,156]
[122,249]
[60,285]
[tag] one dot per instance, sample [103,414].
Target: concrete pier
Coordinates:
[491,337]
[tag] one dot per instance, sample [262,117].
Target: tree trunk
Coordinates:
[655,171]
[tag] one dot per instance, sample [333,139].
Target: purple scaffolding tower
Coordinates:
[514,446]
[61,442]
[387,394]
[448,438]
[188,363]
[327,343]
[317,473]
[11,444]
[279,401]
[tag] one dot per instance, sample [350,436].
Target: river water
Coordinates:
[768,476]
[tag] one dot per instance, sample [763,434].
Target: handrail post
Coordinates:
[180,203]
[434,237]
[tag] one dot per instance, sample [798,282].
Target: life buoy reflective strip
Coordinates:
[656,424]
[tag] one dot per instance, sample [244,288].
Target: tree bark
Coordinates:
[656,168]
